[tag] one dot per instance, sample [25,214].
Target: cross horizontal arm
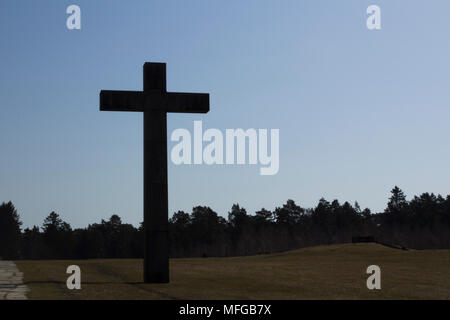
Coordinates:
[186,102]
[121,100]
[168,101]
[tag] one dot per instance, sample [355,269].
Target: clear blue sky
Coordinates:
[359,111]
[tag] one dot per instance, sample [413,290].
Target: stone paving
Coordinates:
[11,282]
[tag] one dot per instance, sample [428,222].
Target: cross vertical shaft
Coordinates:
[156,259]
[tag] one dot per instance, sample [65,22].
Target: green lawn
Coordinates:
[324,272]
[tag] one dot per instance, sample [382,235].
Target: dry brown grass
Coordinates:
[323,272]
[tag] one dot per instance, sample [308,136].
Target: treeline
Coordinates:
[421,223]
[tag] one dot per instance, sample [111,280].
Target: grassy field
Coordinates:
[324,272]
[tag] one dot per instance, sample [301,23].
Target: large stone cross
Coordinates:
[155,102]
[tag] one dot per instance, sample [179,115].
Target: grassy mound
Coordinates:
[323,272]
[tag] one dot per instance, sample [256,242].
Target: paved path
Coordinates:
[11,282]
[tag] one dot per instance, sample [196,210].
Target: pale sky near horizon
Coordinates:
[358,111]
